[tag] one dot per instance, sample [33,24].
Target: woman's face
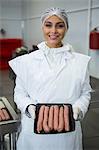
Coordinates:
[54,31]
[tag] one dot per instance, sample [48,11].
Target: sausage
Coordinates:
[66,118]
[45,121]
[2,116]
[56,115]
[51,117]
[40,119]
[7,117]
[61,119]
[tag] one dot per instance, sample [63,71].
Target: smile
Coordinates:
[53,37]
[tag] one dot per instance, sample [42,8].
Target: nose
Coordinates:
[53,29]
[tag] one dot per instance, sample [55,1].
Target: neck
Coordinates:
[54,46]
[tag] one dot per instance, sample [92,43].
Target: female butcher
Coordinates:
[52,74]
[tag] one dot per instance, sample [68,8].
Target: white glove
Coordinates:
[77,113]
[31,110]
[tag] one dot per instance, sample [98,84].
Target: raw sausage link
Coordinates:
[56,115]
[40,119]
[51,117]
[61,119]
[2,116]
[66,118]
[7,117]
[45,121]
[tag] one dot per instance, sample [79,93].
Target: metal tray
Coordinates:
[9,126]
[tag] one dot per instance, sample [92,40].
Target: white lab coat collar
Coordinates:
[66,49]
[56,57]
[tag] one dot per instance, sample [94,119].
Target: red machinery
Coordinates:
[7,47]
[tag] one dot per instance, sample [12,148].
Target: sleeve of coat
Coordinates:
[85,92]
[84,99]
[21,97]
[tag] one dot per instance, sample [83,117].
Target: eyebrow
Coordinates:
[56,23]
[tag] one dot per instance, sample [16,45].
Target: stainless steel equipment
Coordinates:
[10,127]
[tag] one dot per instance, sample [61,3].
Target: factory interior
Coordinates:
[20,27]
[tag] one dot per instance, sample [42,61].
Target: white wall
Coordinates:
[10,18]
[0,17]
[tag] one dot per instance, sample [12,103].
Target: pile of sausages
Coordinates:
[53,118]
[4,115]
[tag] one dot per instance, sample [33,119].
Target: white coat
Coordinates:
[39,81]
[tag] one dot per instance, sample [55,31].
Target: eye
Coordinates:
[48,25]
[60,26]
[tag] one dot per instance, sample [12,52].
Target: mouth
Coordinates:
[53,37]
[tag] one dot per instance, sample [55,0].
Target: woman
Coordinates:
[52,74]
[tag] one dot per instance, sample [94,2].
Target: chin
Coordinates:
[53,43]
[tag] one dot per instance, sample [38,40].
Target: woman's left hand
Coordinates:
[77,113]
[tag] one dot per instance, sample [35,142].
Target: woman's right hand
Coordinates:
[31,110]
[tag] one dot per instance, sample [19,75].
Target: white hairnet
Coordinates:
[61,13]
